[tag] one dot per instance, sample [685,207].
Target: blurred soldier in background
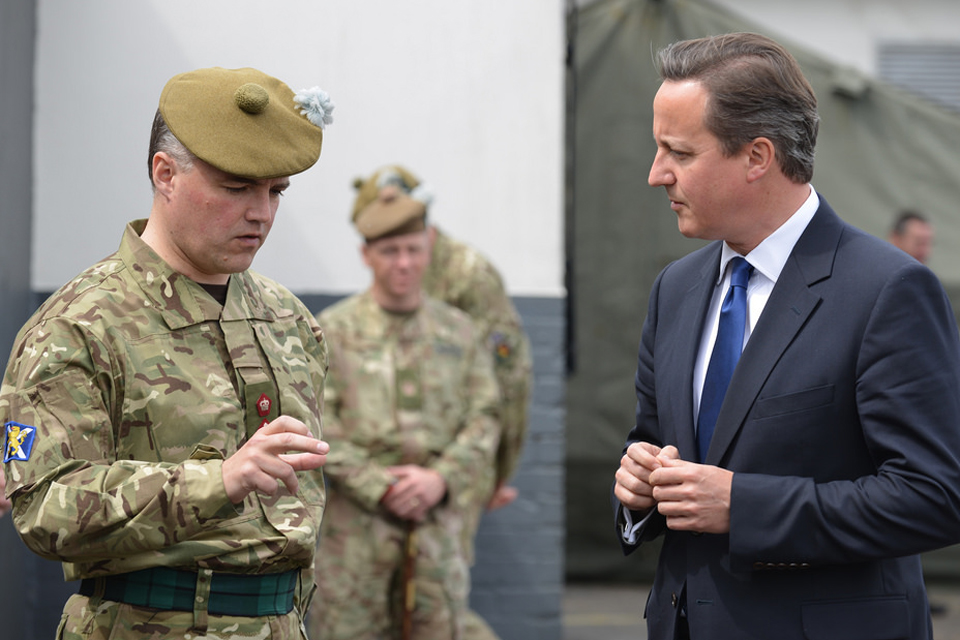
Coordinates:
[461,276]
[411,402]
[162,411]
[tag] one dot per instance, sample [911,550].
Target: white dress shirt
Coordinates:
[767,260]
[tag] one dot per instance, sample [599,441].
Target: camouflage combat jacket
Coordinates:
[412,388]
[459,275]
[124,394]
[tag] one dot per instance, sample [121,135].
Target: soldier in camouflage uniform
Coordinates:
[411,417]
[459,275]
[162,411]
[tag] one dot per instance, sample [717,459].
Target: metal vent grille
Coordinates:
[931,70]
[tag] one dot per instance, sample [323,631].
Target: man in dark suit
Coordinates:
[793,502]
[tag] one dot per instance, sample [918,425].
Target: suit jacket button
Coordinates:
[673,600]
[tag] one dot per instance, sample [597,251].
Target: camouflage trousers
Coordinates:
[360,564]
[117,621]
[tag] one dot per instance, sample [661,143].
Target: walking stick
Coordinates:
[408,587]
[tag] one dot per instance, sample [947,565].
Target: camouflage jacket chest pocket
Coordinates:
[179,390]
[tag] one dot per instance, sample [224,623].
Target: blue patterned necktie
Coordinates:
[726,352]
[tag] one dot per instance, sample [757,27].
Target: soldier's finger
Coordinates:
[289,478]
[419,514]
[400,496]
[268,485]
[414,509]
[402,471]
[285,424]
[398,509]
[279,443]
[304,461]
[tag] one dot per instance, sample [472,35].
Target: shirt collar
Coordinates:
[179,298]
[769,256]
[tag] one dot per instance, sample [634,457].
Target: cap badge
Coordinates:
[263,405]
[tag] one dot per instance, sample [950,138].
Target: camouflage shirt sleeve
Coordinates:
[470,455]
[360,476]
[115,507]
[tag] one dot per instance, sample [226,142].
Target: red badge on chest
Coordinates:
[263,405]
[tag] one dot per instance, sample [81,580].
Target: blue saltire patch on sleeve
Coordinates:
[19,441]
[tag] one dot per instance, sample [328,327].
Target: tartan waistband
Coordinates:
[231,594]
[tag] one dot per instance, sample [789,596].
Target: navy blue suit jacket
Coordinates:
[842,427]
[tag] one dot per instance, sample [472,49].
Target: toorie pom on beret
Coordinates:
[245,122]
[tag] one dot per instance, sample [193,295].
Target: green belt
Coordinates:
[231,594]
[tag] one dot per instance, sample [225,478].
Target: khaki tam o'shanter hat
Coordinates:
[391,202]
[245,122]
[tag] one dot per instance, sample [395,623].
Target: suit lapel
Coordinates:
[790,305]
[690,318]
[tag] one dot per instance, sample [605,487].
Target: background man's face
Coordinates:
[916,239]
[398,264]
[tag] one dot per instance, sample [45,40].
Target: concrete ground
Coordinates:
[615,612]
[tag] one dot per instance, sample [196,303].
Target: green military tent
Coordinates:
[880,150]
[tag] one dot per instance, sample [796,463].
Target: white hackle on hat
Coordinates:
[316,104]
[421,193]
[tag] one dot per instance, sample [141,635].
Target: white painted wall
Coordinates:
[467,94]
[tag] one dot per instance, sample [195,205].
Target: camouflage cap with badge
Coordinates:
[391,202]
[245,122]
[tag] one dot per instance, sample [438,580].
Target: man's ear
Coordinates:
[364,250]
[761,157]
[164,169]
